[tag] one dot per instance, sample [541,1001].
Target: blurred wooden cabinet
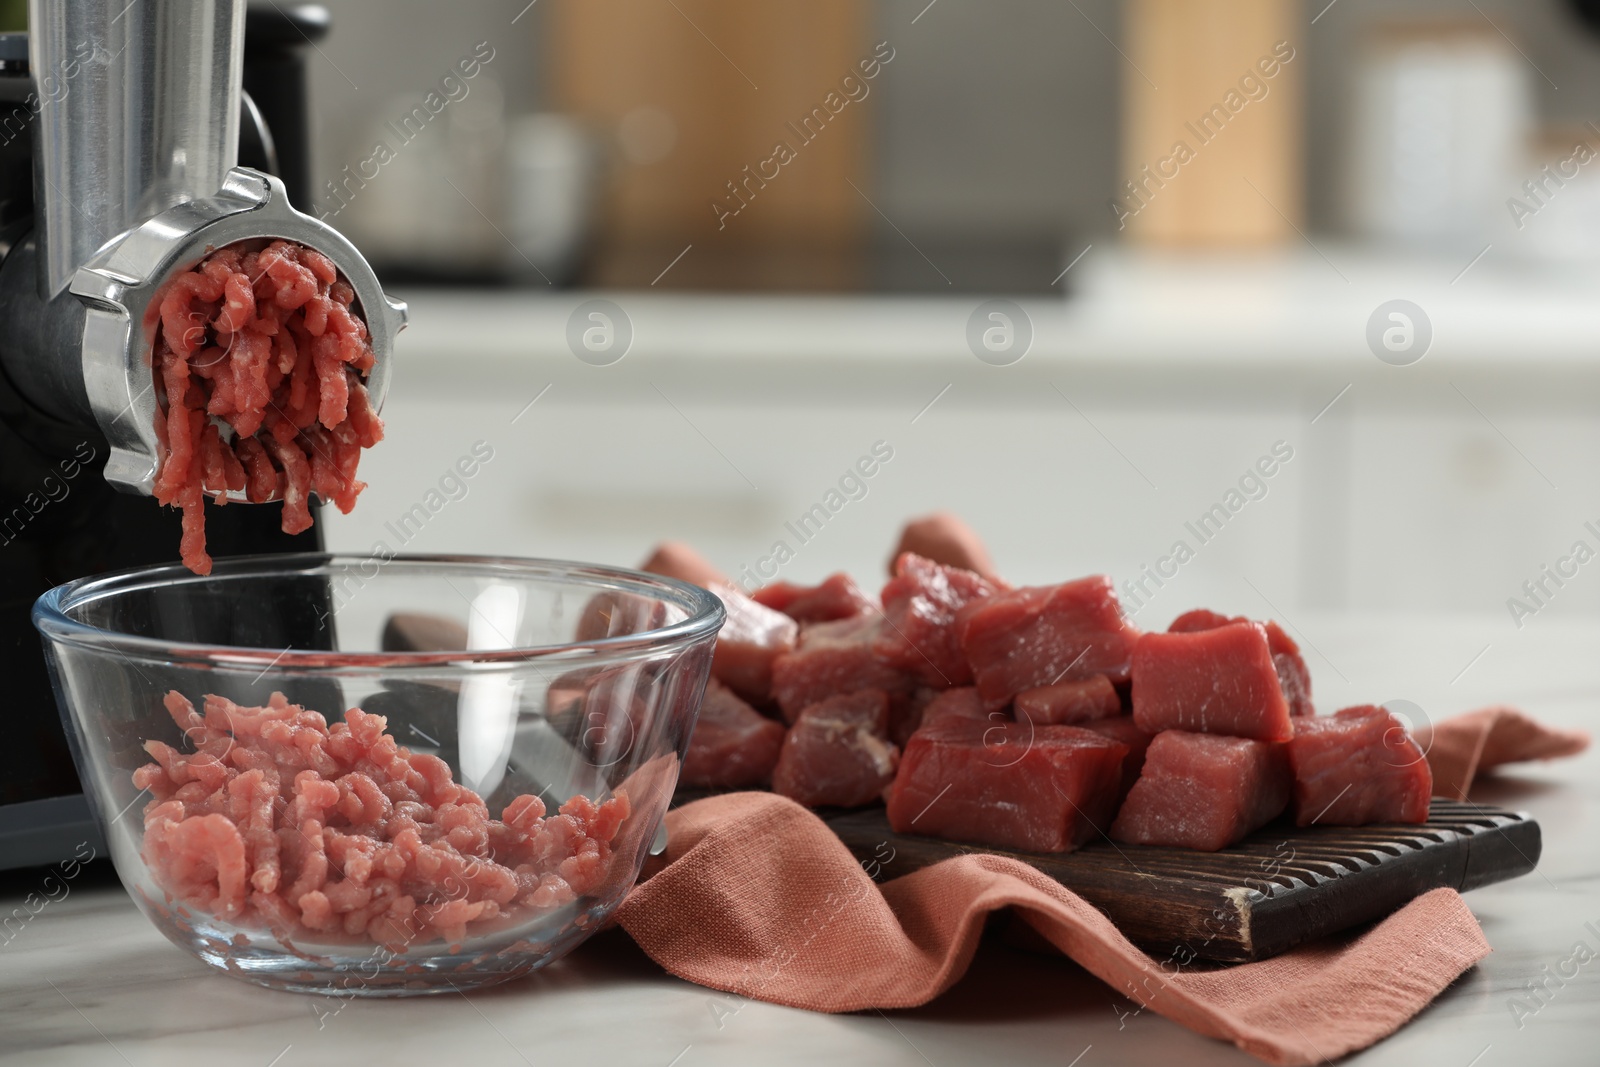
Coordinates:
[735,126]
[1213,122]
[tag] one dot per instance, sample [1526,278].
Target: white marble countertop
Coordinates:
[89,981]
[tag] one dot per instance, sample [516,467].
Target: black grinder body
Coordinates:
[59,518]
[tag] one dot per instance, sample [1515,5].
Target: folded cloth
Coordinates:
[1462,747]
[759,898]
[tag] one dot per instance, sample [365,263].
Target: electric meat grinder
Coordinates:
[121,133]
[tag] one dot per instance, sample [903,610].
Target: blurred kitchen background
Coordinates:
[1195,213]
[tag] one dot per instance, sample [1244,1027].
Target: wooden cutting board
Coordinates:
[1278,888]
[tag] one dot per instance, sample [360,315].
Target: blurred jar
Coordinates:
[552,163]
[435,198]
[1440,121]
[1554,210]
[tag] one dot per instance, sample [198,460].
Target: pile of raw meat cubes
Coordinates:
[1034,718]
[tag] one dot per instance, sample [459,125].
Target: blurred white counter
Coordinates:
[1193,311]
[1144,399]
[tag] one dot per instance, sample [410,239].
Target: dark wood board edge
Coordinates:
[1469,860]
[1180,915]
[1517,847]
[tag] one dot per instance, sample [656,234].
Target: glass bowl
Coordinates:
[386,775]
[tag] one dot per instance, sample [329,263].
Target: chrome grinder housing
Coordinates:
[121,288]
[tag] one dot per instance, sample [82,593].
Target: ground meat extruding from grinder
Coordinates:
[260,340]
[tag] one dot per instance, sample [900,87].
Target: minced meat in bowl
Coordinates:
[380,775]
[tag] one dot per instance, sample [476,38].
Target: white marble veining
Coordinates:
[89,981]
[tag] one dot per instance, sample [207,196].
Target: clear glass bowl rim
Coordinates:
[705,612]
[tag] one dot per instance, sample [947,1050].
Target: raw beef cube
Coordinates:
[674,559]
[618,615]
[564,699]
[923,607]
[1036,788]
[906,713]
[1068,703]
[944,538]
[1295,681]
[618,715]
[748,643]
[963,703]
[1277,638]
[1293,677]
[733,745]
[1123,728]
[603,712]
[1042,635]
[1203,791]
[1218,681]
[836,754]
[833,658]
[1198,619]
[838,597]
[1356,767]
